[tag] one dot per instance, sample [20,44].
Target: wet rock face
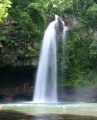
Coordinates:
[16,83]
[15,98]
[5,98]
[23,92]
[22,97]
[70,21]
[59,26]
[10,75]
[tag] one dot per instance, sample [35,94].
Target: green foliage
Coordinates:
[80,9]
[62,6]
[4,6]
[87,78]
[93,49]
[40,6]
[18,34]
[92,16]
[22,31]
[78,42]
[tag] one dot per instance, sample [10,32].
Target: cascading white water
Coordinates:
[46,80]
[63,64]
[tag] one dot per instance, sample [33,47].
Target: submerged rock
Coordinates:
[5,98]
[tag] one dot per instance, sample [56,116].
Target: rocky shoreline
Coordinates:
[69,94]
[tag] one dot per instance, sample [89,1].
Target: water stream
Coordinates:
[46,80]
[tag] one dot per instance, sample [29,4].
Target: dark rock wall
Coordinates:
[17,81]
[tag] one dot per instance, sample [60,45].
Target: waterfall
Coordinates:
[46,79]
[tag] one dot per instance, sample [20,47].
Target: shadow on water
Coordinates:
[14,115]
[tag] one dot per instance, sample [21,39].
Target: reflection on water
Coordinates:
[13,115]
[63,117]
[47,117]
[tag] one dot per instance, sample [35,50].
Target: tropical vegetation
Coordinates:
[22,24]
